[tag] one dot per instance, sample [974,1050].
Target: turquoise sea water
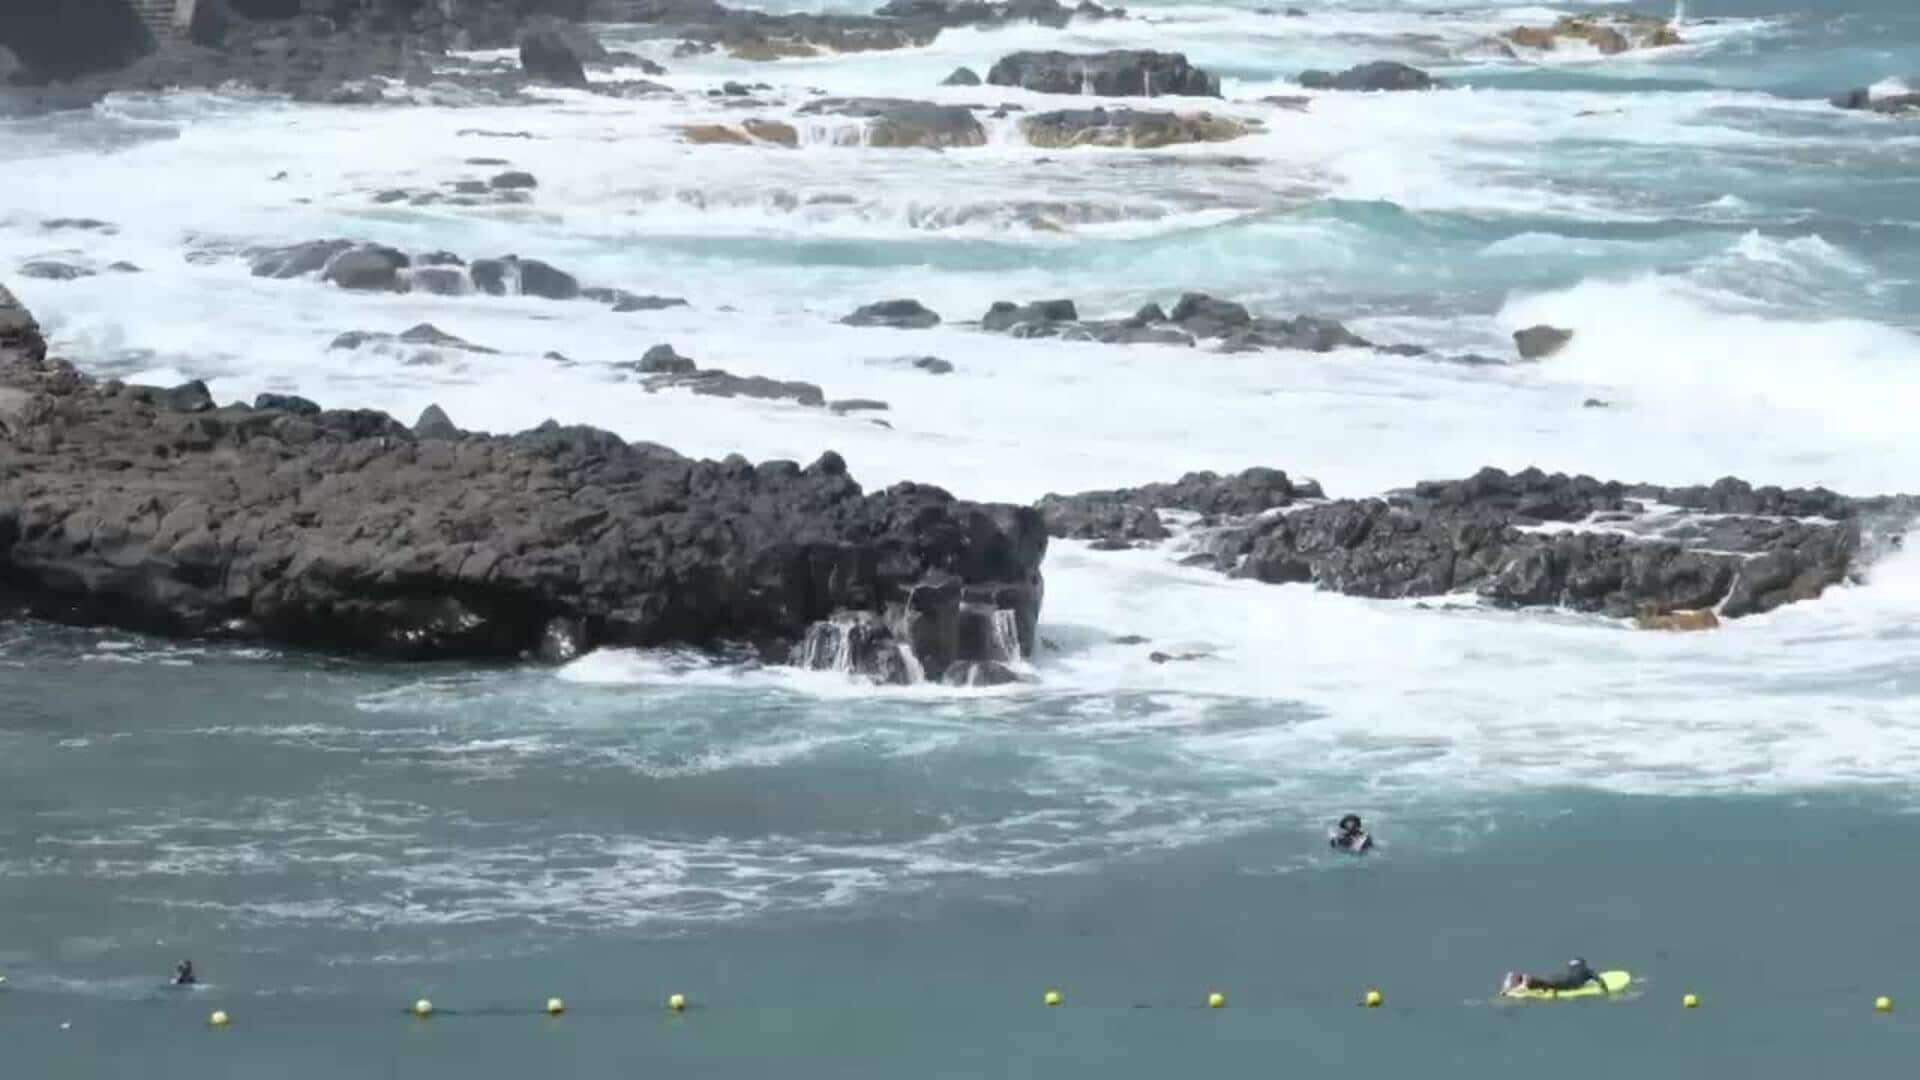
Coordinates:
[850,882]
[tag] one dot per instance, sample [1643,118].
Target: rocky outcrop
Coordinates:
[707,25]
[546,56]
[896,314]
[335,51]
[1226,326]
[1533,539]
[1121,73]
[1609,32]
[895,122]
[161,511]
[962,76]
[1126,515]
[1130,128]
[1540,342]
[951,13]
[68,39]
[1379,75]
[376,268]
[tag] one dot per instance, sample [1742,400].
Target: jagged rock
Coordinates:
[1378,75]
[1610,32]
[1196,317]
[1121,73]
[896,314]
[1472,535]
[343,530]
[1130,128]
[1007,317]
[434,424]
[292,403]
[371,268]
[545,56]
[951,13]
[1128,514]
[663,360]
[1539,342]
[526,277]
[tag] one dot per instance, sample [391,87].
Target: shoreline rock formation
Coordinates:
[1610,32]
[1655,554]
[158,510]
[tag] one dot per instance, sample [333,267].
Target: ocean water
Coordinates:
[857,882]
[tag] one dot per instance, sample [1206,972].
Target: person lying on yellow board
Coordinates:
[1577,975]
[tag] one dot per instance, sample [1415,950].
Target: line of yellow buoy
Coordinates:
[423,1008]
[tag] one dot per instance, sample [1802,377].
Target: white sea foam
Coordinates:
[1713,364]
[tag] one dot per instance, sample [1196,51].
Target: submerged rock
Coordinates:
[894,122]
[1131,128]
[963,76]
[1891,104]
[1379,75]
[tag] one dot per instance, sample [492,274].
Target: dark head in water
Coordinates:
[183,975]
[1350,836]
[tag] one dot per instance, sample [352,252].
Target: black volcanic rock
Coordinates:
[154,510]
[1120,73]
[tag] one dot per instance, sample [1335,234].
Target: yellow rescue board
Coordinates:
[1615,981]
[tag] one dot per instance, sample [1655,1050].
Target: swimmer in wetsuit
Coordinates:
[183,975]
[1350,836]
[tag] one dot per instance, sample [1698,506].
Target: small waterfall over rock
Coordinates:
[858,643]
[1003,642]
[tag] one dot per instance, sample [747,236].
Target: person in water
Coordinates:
[1577,975]
[183,975]
[1350,836]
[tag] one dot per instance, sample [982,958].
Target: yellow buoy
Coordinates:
[218,1019]
[1216,1000]
[1053,997]
[678,1003]
[1374,999]
[555,1006]
[423,1008]
[1690,1001]
[1883,1004]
